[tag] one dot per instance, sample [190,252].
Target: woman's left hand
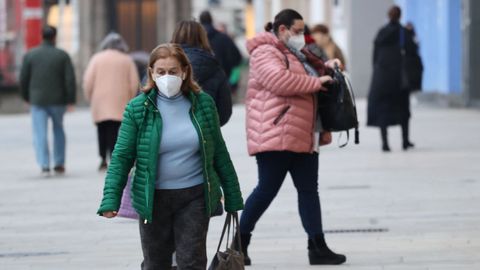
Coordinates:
[331,63]
[325,137]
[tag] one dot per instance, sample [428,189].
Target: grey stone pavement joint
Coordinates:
[425,202]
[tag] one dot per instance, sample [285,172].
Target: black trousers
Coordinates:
[107,137]
[405,133]
[179,224]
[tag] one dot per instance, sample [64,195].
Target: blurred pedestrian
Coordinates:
[140,58]
[110,81]
[179,178]
[322,37]
[222,45]
[312,47]
[388,99]
[47,82]
[282,130]
[207,72]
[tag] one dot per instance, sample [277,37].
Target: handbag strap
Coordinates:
[340,136]
[231,219]
[350,90]
[227,224]
[237,228]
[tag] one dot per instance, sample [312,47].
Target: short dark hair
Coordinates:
[206,17]
[286,17]
[394,13]
[49,32]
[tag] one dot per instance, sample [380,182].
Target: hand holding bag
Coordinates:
[230,259]
[126,210]
[337,107]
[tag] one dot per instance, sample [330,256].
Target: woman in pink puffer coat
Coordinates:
[283,130]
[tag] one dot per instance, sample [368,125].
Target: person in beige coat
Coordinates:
[110,81]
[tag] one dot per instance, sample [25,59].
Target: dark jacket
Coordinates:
[212,79]
[47,76]
[388,102]
[224,49]
[138,142]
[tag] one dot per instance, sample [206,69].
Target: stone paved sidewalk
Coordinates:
[397,211]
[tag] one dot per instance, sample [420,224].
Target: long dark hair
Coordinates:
[191,33]
[286,17]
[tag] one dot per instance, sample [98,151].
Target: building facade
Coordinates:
[81,25]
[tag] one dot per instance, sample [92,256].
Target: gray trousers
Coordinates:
[179,224]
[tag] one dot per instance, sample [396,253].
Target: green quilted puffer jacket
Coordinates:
[138,143]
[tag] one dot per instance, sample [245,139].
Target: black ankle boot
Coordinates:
[319,253]
[407,145]
[386,148]
[245,241]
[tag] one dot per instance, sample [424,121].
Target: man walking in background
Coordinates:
[222,45]
[47,82]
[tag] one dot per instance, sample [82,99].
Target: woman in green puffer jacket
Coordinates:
[171,133]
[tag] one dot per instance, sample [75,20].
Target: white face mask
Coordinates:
[169,85]
[296,41]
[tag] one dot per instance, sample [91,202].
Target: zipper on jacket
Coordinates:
[315,104]
[147,185]
[281,115]
[147,191]
[204,159]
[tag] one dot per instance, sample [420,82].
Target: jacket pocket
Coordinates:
[281,115]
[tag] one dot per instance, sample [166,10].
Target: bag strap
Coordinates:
[340,136]
[227,224]
[231,221]
[354,103]
[237,230]
[350,89]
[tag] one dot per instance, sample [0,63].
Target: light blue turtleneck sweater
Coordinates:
[179,157]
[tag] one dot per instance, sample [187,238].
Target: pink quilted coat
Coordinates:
[280,100]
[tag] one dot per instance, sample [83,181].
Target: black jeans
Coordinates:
[272,169]
[180,224]
[107,137]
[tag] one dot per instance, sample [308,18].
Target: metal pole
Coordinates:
[60,35]
[75,25]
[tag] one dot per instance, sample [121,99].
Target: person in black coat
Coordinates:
[222,45]
[206,69]
[389,99]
